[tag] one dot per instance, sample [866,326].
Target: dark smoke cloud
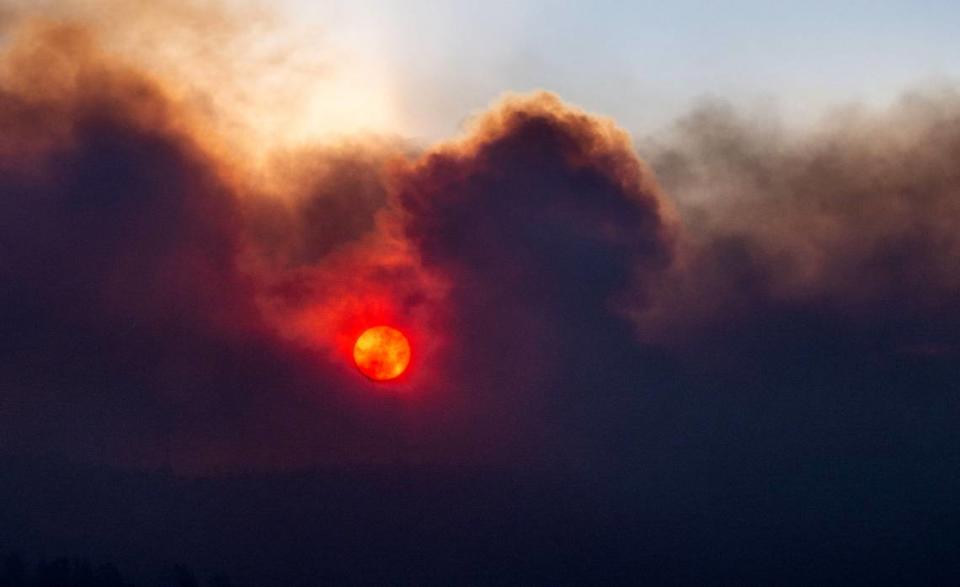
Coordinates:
[130,331]
[336,194]
[849,230]
[160,305]
[165,299]
[538,219]
[813,311]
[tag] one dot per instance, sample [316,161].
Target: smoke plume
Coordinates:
[173,292]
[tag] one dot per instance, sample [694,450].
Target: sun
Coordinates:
[382,353]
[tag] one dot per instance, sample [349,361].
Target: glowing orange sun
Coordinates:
[382,353]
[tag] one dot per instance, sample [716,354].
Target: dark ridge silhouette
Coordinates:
[874,521]
[79,572]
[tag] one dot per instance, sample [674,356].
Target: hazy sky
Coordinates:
[641,62]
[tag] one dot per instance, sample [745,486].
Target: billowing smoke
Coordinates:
[814,301]
[128,327]
[165,298]
[164,303]
[547,227]
[833,248]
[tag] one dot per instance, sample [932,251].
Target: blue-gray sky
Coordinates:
[641,62]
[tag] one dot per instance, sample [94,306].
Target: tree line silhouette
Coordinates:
[76,572]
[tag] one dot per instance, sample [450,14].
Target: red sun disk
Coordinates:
[382,353]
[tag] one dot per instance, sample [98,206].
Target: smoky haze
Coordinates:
[723,356]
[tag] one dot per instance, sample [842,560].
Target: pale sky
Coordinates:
[642,63]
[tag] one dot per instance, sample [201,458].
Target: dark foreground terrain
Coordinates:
[873,522]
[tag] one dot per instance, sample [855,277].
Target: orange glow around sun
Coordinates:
[382,353]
